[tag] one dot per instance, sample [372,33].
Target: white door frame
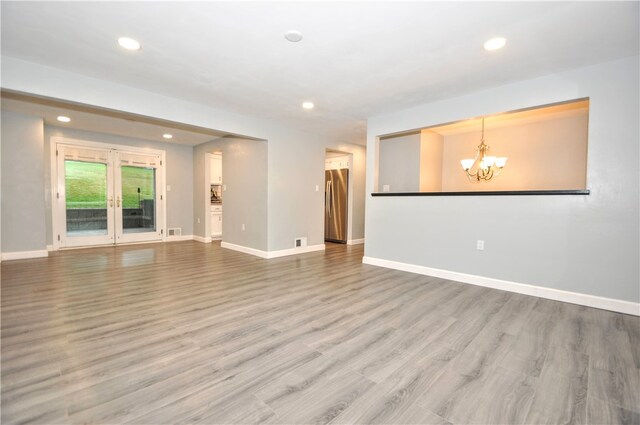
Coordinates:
[55,189]
[208,157]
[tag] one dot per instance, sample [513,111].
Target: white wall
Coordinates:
[22,196]
[584,244]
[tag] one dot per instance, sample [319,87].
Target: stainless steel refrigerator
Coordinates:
[335,205]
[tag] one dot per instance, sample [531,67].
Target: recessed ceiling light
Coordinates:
[495,43]
[167,136]
[308,105]
[129,43]
[62,118]
[293,36]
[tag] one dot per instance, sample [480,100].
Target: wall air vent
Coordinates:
[176,231]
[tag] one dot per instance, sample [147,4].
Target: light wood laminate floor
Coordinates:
[187,332]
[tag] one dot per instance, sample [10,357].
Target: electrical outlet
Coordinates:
[480,245]
[242,226]
[385,188]
[317,188]
[168,188]
[198,220]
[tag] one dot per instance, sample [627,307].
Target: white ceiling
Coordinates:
[109,122]
[357,59]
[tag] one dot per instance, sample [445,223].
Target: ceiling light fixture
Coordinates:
[62,118]
[129,43]
[293,36]
[308,105]
[483,167]
[495,43]
[167,136]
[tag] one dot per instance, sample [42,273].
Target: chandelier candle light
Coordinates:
[483,167]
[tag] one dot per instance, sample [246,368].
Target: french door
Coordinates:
[106,196]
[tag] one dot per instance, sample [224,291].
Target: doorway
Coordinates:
[337,205]
[106,195]
[215,188]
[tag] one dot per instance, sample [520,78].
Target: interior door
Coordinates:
[84,196]
[137,197]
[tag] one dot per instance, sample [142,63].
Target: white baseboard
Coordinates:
[22,255]
[294,251]
[201,239]
[355,241]
[244,249]
[604,303]
[272,254]
[179,238]
[49,248]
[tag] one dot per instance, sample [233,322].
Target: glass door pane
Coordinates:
[138,199]
[84,200]
[137,190]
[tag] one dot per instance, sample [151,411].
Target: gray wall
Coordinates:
[244,173]
[244,170]
[178,169]
[23,190]
[296,166]
[399,163]
[585,244]
[295,155]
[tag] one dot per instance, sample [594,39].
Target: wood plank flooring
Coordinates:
[187,332]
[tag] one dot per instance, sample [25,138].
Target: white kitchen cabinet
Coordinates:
[336,163]
[216,221]
[216,169]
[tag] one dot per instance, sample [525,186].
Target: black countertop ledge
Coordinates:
[489,193]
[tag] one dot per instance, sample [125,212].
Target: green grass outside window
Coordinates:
[86,185]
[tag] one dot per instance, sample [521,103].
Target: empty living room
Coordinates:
[320,212]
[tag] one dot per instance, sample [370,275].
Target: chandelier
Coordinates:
[483,167]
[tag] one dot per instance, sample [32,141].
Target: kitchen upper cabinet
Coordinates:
[336,163]
[216,169]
